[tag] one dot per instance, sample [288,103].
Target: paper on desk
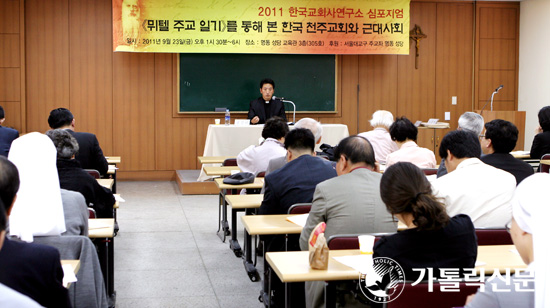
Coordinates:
[68,274]
[514,251]
[520,152]
[300,220]
[480,263]
[361,263]
[118,198]
[98,224]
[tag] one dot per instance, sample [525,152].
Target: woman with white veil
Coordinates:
[39,206]
[528,228]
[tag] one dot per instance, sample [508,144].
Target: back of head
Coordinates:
[382,118]
[60,117]
[403,129]
[275,128]
[314,126]
[300,140]
[2,114]
[503,135]
[3,219]
[544,118]
[461,143]
[9,181]
[65,144]
[472,122]
[405,189]
[267,80]
[356,149]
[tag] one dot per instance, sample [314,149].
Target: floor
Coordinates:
[167,253]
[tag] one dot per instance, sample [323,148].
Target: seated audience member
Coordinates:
[7,135]
[349,203]
[541,142]
[404,133]
[468,121]
[8,296]
[433,239]
[529,229]
[90,155]
[40,197]
[73,177]
[296,181]
[309,123]
[471,187]
[379,137]
[499,140]
[254,159]
[31,269]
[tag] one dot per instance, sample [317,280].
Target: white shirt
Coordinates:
[381,142]
[10,298]
[478,190]
[411,152]
[255,159]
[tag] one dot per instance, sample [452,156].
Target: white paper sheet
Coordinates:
[361,263]
[300,220]
[68,274]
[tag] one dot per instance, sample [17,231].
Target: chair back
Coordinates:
[91,213]
[429,171]
[300,208]
[545,167]
[229,162]
[434,299]
[261,175]
[94,173]
[350,241]
[493,237]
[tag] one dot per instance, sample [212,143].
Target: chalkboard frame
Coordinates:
[178,99]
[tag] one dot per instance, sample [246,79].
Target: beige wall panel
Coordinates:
[377,87]
[454,60]
[497,54]
[9,50]
[9,16]
[91,69]
[134,110]
[416,91]
[47,52]
[10,84]
[13,118]
[498,22]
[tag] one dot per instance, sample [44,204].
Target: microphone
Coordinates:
[278,98]
[499,88]
[282,99]
[491,99]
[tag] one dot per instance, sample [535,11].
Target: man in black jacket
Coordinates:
[265,107]
[90,155]
[500,138]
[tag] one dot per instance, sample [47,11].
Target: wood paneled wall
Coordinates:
[57,53]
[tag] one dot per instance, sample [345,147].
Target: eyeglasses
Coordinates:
[481,136]
[508,226]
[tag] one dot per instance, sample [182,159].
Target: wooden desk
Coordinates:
[258,183]
[521,154]
[244,201]
[293,266]
[213,159]
[223,171]
[270,224]
[545,161]
[107,183]
[102,229]
[113,160]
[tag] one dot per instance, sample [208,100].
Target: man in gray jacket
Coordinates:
[349,203]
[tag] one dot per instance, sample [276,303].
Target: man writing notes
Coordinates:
[265,107]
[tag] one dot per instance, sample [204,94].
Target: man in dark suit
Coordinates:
[265,107]
[7,135]
[30,269]
[90,155]
[500,138]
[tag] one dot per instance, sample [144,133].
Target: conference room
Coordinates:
[154,106]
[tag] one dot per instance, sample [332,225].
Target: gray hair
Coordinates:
[65,144]
[472,122]
[314,126]
[382,118]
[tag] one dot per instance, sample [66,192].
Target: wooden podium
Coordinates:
[516,117]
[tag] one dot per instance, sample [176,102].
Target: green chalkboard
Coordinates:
[209,81]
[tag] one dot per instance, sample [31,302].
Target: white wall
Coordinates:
[534,62]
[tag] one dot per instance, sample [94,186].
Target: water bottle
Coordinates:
[227,117]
